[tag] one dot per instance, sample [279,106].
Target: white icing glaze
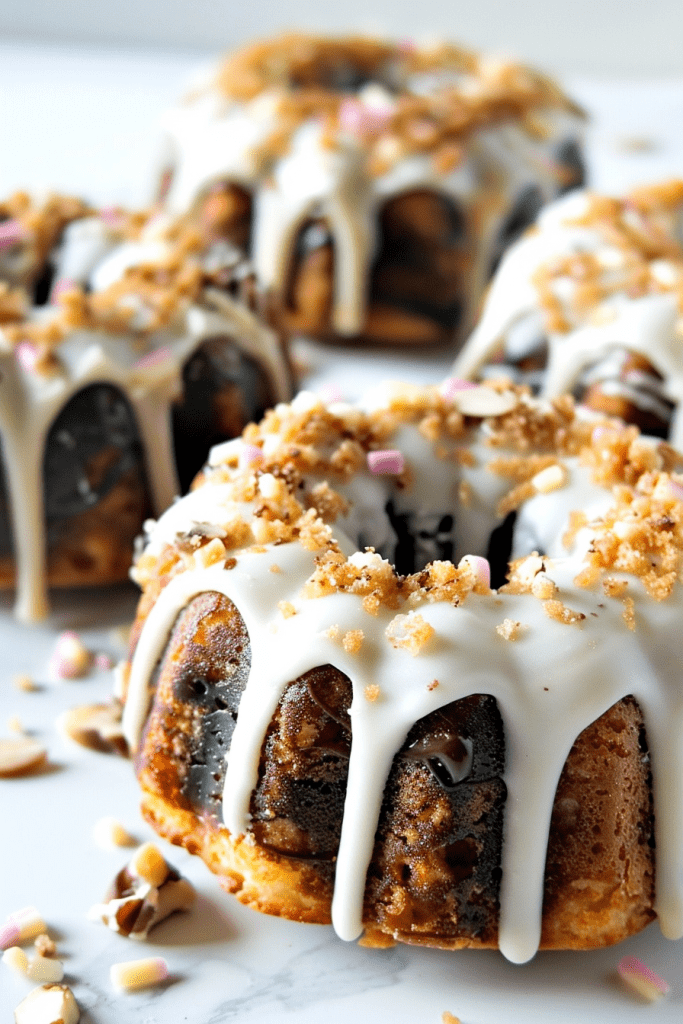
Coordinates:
[146,369]
[211,138]
[550,683]
[648,324]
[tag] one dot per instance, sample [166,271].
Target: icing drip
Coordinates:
[573,655]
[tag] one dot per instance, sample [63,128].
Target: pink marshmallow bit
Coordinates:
[103,661]
[250,455]
[27,356]
[70,659]
[351,116]
[481,568]
[9,935]
[640,977]
[112,216]
[359,119]
[153,358]
[387,462]
[452,385]
[11,232]
[330,393]
[63,284]
[676,490]
[406,45]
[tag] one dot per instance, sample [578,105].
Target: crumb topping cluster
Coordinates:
[278,497]
[642,257]
[393,99]
[150,296]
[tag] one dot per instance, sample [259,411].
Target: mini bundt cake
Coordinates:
[375,185]
[590,301]
[147,350]
[399,748]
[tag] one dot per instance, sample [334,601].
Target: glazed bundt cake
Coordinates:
[590,301]
[329,703]
[375,185]
[147,349]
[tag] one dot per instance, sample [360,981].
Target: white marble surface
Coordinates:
[81,120]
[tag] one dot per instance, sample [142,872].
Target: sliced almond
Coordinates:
[484,401]
[20,756]
[96,726]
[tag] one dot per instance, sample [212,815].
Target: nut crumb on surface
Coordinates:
[352,641]
[561,613]
[409,632]
[372,692]
[448,1018]
[25,683]
[509,629]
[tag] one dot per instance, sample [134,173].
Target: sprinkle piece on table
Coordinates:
[136,974]
[70,659]
[642,979]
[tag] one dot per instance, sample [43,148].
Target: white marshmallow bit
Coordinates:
[136,974]
[484,401]
[49,1004]
[552,478]
[268,485]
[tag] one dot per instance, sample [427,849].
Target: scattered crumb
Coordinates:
[628,613]
[409,632]
[287,609]
[636,144]
[613,587]
[543,587]
[448,1018]
[372,692]
[14,724]
[332,633]
[104,661]
[509,629]
[433,685]
[108,832]
[353,641]
[25,683]
[45,946]
[275,568]
[560,613]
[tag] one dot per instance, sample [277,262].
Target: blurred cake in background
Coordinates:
[374,185]
[591,301]
[149,349]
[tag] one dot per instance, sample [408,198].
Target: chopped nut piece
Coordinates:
[49,1004]
[25,683]
[143,894]
[45,969]
[20,756]
[484,401]
[45,945]
[509,629]
[148,862]
[96,726]
[109,832]
[16,959]
[136,974]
